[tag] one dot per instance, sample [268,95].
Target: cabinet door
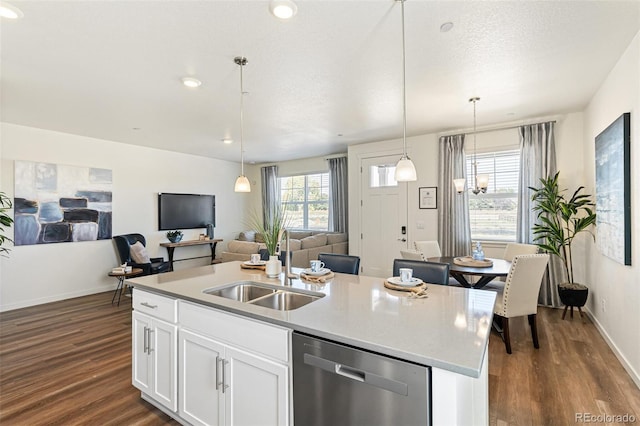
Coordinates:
[200,377]
[140,360]
[163,337]
[257,392]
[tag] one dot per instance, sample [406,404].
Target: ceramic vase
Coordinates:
[273,267]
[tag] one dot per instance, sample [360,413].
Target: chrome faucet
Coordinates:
[288,274]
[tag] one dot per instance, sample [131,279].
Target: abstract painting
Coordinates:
[56,203]
[613,191]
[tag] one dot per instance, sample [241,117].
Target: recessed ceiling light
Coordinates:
[227,141]
[283,9]
[10,11]
[446,27]
[191,82]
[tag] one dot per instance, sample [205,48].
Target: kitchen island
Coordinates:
[448,331]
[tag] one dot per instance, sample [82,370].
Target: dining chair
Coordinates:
[428,248]
[342,263]
[411,254]
[512,250]
[429,272]
[519,296]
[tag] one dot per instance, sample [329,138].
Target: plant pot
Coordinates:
[175,239]
[573,294]
[273,267]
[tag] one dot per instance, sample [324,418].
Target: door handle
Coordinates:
[218,383]
[224,375]
[404,240]
[145,345]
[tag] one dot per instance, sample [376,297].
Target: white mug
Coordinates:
[316,265]
[255,258]
[406,274]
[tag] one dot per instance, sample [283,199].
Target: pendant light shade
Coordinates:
[459,184]
[242,183]
[405,169]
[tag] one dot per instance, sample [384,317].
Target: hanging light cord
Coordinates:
[404,89]
[241,61]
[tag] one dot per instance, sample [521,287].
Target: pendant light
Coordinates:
[242,183]
[405,170]
[481,181]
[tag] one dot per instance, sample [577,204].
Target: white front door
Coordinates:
[383,216]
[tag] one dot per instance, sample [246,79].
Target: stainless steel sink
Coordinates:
[267,295]
[243,291]
[285,300]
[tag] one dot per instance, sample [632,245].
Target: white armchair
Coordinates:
[519,296]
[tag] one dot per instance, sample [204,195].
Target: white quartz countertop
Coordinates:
[449,329]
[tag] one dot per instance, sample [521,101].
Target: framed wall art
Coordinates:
[428,197]
[613,190]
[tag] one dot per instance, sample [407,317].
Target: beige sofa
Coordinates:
[304,246]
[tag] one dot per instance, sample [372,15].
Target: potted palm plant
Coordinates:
[5,221]
[559,221]
[271,231]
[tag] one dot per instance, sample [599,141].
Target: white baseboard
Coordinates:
[616,351]
[55,298]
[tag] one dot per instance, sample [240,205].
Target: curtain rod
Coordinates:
[506,126]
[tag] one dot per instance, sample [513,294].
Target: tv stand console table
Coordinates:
[172,246]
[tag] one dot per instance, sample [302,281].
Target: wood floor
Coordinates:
[69,363]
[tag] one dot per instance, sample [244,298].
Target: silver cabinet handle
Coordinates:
[224,375]
[218,383]
[145,340]
[402,239]
[148,305]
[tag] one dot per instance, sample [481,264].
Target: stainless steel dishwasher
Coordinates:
[334,384]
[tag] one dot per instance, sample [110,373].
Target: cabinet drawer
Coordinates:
[161,307]
[256,336]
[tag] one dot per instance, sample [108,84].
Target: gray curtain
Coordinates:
[270,191]
[537,160]
[454,228]
[338,194]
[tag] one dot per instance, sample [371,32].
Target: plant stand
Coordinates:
[573,296]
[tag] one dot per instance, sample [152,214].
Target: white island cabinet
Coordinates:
[233,358]
[232,370]
[154,347]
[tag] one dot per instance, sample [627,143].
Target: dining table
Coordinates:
[499,268]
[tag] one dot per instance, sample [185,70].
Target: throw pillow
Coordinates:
[139,253]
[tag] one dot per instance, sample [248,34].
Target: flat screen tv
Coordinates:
[185,211]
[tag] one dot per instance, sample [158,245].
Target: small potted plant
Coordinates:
[5,221]
[174,236]
[559,221]
[271,231]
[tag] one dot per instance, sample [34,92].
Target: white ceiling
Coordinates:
[329,78]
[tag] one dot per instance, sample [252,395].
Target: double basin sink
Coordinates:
[267,295]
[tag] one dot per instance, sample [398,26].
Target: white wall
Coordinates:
[47,272]
[615,289]
[423,150]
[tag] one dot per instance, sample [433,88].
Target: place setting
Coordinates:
[316,272]
[407,282]
[254,263]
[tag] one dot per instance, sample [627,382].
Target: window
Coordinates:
[493,215]
[382,175]
[305,199]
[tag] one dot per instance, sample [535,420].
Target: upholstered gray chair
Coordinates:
[429,272]
[519,296]
[341,263]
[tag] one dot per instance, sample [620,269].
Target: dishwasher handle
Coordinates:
[356,374]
